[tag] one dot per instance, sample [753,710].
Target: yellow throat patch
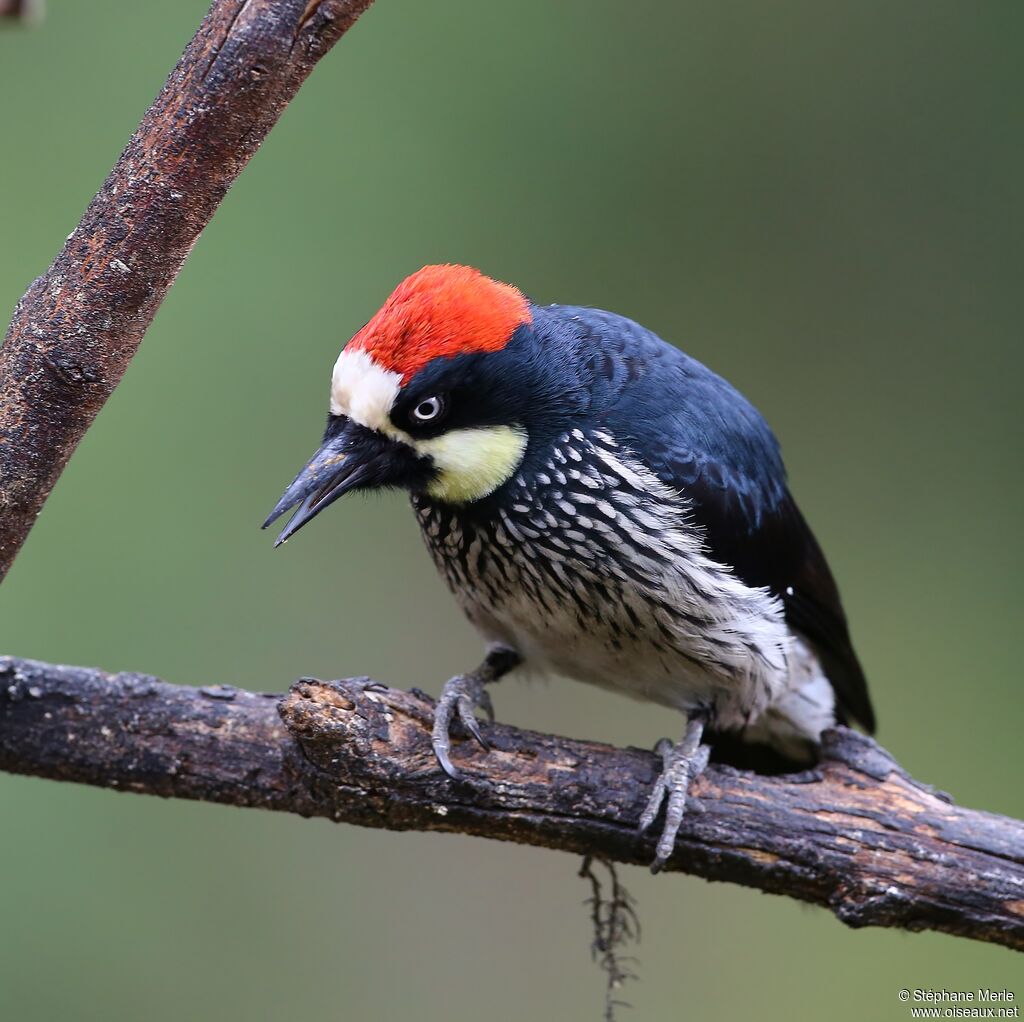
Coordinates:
[471,463]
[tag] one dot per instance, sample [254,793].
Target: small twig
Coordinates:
[861,837]
[22,10]
[616,925]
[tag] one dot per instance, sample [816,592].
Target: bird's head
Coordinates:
[438,394]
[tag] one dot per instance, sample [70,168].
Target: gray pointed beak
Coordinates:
[328,476]
[351,457]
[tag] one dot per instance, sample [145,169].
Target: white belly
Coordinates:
[596,574]
[658,645]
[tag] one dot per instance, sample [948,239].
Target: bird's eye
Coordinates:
[430,409]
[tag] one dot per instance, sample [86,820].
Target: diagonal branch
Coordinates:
[78,326]
[860,836]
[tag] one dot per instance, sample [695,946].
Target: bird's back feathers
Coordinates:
[699,435]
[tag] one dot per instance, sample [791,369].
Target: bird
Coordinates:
[603,507]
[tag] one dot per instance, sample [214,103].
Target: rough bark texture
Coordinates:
[77,327]
[858,836]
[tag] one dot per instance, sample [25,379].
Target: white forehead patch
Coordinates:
[470,463]
[363,390]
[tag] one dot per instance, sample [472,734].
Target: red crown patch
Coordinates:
[441,311]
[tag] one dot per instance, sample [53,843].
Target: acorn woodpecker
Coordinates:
[603,507]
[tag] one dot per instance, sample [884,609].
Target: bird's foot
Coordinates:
[681,763]
[460,697]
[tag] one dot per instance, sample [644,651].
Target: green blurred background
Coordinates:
[821,201]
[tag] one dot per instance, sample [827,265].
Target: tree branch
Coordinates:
[858,836]
[76,329]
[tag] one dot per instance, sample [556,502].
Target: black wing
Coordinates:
[699,435]
[771,545]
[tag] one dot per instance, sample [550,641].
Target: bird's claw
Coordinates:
[469,721]
[460,697]
[681,763]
